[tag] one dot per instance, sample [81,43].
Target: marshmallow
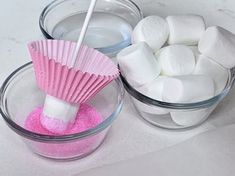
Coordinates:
[219,74]
[185,29]
[57,114]
[195,52]
[188,89]
[176,60]
[153,30]
[190,118]
[218,44]
[138,64]
[152,90]
[151,109]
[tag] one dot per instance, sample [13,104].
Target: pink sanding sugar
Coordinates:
[87,117]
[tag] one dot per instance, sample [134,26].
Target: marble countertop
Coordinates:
[130,136]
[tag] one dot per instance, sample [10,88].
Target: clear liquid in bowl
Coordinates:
[105,29]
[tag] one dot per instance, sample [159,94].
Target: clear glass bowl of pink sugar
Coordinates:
[21,100]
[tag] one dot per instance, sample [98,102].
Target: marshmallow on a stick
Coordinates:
[218,44]
[69,74]
[176,60]
[185,29]
[67,85]
[188,89]
[218,73]
[138,64]
[62,110]
[153,30]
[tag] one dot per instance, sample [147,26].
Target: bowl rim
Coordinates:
[180,106]
[50,138]
[107,50]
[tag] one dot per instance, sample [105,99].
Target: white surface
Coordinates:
[202,155]
[130,136]
[185,29]
[153,30]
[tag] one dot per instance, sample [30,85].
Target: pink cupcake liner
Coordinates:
[73,83]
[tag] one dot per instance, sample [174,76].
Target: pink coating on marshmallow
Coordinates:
[87,117]
[55,125]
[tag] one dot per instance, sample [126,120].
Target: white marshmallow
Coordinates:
[195,52]
[218,44]
[138,64]
[176,60]
[219,74]
[185,29]
[153,30]
[188,89]
[152,90]
[59,113]
[190,118]
[142,107]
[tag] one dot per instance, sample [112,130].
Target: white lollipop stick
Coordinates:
[83,31]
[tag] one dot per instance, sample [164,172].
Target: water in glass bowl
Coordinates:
[105,29]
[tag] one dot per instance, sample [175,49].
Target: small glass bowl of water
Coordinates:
[110,27]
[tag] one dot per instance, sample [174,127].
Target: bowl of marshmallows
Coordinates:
[177,70]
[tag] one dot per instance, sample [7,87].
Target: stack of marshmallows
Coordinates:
[178,60]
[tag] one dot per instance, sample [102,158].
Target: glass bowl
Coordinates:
[20,95]
[109,30]
[175,115]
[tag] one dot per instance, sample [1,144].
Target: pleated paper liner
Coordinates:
[72,83]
